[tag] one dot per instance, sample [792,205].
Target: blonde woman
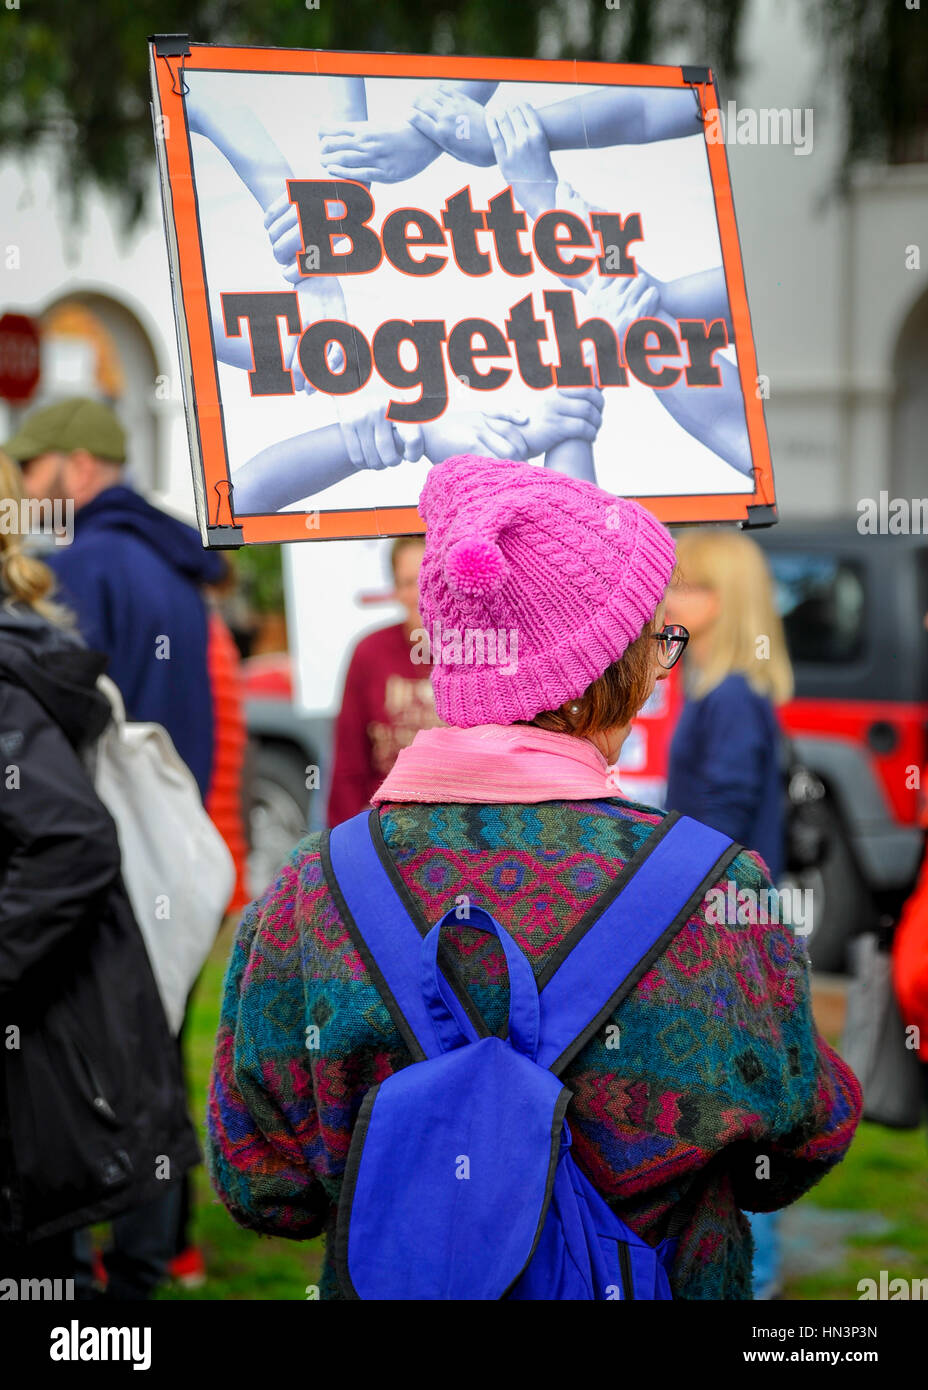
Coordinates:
[91,1093]
[725,755]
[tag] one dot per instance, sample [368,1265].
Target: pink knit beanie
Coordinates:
[532,585]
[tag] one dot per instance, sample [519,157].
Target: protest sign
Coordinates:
[382,260]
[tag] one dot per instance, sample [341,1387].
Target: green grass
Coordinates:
[885,1172]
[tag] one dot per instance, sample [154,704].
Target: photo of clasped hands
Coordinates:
[450,118]
[365,153]
[519,139]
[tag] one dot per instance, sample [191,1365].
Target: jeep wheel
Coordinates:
[279,811]
[841,903]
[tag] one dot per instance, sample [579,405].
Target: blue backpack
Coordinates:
[459,1182]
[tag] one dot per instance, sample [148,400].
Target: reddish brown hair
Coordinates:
[615,697]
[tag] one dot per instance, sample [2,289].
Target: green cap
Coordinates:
[78,423]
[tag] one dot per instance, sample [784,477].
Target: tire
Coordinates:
[842,905]
[278,815]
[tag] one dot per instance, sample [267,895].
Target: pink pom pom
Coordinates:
[475,567]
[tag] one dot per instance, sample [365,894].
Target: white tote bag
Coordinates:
[875,1044]
[177,869]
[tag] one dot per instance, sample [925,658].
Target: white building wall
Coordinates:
[45,258]
[827,281]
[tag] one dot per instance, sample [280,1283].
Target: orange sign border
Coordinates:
[204,411]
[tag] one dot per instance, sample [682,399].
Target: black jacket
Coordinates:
[93,1114]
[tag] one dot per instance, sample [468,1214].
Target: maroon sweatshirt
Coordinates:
[387,700]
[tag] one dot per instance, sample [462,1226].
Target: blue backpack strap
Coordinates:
[524,1005]
[387,929]
[631,925]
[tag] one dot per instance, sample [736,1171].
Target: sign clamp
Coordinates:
[758,515]
[696,77]
[172,46]
[224,535]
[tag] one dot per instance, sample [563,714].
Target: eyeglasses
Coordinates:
[672,638]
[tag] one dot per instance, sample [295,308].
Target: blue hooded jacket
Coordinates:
[133,576]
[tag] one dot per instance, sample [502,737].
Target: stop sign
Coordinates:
[19,357]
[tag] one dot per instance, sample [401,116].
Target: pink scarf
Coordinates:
[498,763]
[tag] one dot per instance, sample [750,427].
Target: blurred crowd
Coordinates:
[92,1057]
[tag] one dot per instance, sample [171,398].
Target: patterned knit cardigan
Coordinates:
[718,1066]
